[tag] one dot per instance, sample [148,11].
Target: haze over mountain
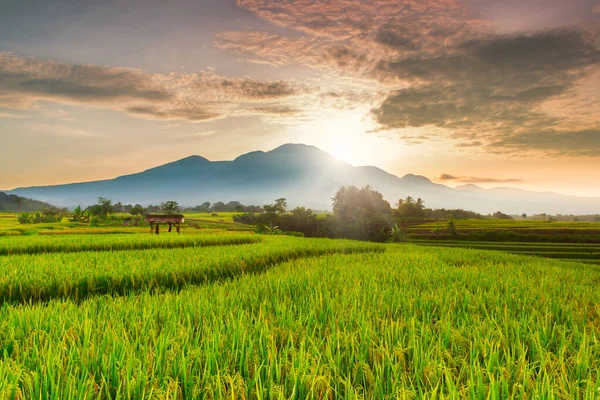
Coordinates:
[305,175]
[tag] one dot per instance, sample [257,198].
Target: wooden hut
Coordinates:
[172,219]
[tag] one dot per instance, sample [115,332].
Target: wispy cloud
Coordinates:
[63,131]
[192,97]
[11,115]
[473,179]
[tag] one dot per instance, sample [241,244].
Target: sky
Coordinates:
[486,92]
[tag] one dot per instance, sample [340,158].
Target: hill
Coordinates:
[305,175]
[14,203]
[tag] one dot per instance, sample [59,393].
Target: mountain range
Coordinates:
[303,174]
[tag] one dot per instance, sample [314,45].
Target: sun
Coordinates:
[349,137]
[343,150]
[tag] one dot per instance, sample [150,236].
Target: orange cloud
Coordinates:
[444,69]
[193,97]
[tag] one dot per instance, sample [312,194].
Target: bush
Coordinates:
[294,234]
[246,218]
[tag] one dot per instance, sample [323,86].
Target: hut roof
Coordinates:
[166,218]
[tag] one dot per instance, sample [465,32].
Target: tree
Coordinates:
[301,220]
[219,207]
[118,208]
[410,209]
[362,213]
[501,215]
[281,204]
[270,217]
[524,216]
[102,208]
[137,210]
[170,207]
[451,226]
[77,214]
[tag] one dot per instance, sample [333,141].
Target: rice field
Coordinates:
[195,223]
[230,315]
[582,252]
[499,224]
[115,242]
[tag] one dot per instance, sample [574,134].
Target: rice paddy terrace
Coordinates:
[579,241]
[236,315]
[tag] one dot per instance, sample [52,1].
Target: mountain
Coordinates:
[305,176]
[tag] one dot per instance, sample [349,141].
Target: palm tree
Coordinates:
[302,214]
[399,203]
[420,203]
[410,200]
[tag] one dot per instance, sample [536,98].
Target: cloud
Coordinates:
[276,110]
[192,97]
[584,143]
[444,68]
[473,179]
[494,89]
[10,115]
[63,131]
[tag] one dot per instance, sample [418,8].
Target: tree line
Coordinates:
[358,213]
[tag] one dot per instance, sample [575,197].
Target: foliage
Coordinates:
[80,215]
[501,215]
[14,203]
[45,217]
[170,207]
[246,218]
[452,230]
[410,209]
[417,323]
[399,233]
[301,220]
[456,214]
[92,243]
[137,210]
[82,274]
[362,214]
[102,209]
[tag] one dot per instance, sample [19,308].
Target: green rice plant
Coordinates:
[79,243]
[408,323]
[35,278]
[563,251]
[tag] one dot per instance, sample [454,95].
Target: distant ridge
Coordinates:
[305,175]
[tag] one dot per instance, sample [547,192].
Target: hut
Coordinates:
[171,219]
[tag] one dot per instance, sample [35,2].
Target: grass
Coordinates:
[409,323]
[552,239]
[9,226]
[81,243]
[510,224]
[575,251]
[220,216]
[34,278]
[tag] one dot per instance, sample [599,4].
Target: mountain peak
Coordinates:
[288,152]
[193,159]
[411,178]
[296,147]
[470,187]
